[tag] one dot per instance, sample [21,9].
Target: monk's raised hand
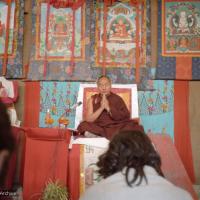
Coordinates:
[105,103]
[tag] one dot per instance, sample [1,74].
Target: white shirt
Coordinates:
[115,188]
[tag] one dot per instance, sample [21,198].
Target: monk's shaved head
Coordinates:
[103,77]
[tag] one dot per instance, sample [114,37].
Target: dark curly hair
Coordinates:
[7,141]
[129,150]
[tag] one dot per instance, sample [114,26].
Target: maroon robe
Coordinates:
[109,123]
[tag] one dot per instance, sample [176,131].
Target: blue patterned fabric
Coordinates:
[58,98]
[14,67]
[166,68]
[156,106]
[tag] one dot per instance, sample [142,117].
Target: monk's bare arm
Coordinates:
[90,115]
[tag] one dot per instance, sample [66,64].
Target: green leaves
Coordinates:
[54,190]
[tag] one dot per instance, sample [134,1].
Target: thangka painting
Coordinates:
[181,28]
[178,40]
[156,107]
[60,33]
[61,42]
[121,39]
[11,38]
[57,104]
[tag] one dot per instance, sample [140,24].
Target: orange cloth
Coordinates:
[74,172]
[32,104]
[46,157]
[181,125]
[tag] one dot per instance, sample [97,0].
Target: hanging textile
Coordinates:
[134,3]
[68,42]
[66,3]
[7,38]
[182,136]
[178,40]
[61,4]
[11,38]
[121,39]
[31,104]
[57,100]
[89,59]
[46,38]
[156,107]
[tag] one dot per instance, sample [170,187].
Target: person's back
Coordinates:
[115,188]
[131,169]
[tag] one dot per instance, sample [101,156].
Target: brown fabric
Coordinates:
[194,113]
[154,32]
[108,124]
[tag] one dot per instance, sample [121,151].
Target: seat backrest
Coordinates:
[127,92]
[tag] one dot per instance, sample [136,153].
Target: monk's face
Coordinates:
[104,85]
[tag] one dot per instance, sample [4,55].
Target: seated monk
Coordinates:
[106,112]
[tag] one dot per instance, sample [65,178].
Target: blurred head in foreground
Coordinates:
[6,142]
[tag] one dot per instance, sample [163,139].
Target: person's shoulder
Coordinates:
[94,192]
[175,192]
[92,97]
[184,195]
[115,96]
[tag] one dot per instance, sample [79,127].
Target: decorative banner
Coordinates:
[156,107]
[60,36]
[53,58]
[59,33]
[181,28]
[57,104]
[11,38]
[121,35]
[122,46]
[3,25]
[178,36]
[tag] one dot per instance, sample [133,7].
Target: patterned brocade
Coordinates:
[12,60]
[178,40]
